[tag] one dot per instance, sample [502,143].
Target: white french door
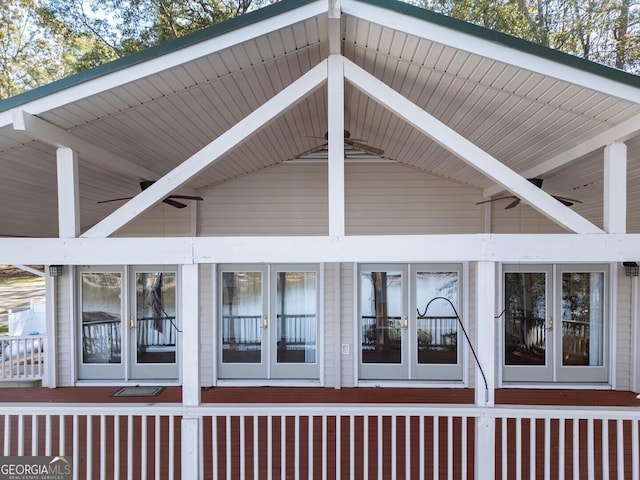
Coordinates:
[128,327]
[408,322]
[555,325]
[268,322]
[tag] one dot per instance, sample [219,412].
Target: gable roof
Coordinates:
[528,106]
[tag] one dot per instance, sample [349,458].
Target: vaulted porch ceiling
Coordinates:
[525,110]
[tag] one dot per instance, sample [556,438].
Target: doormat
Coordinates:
[138,392]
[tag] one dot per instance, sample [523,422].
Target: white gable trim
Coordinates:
[467,151]
[478,46]
[211,153]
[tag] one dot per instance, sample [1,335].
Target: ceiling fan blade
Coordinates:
[186,197]
[115,200]
[173,203]
[365,148]
[566,201]
[513,204]
[495,199]
[312,150]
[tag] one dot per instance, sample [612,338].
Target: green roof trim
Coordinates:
[284,6]
[154,52]
[509,41]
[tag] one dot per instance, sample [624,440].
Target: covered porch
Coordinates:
[272,432]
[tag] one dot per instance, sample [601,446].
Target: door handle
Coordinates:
[550,324]
[132,323]
[405,322]
[265,320]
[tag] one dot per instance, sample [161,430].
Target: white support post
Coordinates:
[615,188]
[68,203]
[189,314]
[485,373]
[335,87]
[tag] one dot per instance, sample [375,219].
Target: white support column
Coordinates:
[335,87]
[68,203]
[189,314]
[615,188]
[485,376]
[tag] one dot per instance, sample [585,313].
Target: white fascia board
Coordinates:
[620,133]
[466,151]
[51,134]
[211,153]
[488,49]
[169,60]
[521,248]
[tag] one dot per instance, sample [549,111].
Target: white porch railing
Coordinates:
[142,441]
[22,358]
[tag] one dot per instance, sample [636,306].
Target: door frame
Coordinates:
[120,372]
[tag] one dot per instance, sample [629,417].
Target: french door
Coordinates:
[555,323]
[268,322]
[128,326]
[408,322]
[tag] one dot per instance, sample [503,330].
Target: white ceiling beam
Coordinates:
[68,193]
[161,62]
[522,248]
[335,130]
[51,134]
[488,49]
[211,153]
[466,151]
[335,27]
[620,133]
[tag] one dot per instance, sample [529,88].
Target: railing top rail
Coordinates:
[357,410]
[8,338]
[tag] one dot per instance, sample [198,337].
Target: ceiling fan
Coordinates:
[538,183]
[144,184]
[352,142]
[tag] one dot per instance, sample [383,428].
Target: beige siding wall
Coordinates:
[624,332]
[206,324]
[161,221]
[521,219]
[64,333]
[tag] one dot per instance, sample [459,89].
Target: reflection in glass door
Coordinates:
[383,323]
[538,349]
[268,322]
[100,325]
[526,325]
[153,327]
[243,324]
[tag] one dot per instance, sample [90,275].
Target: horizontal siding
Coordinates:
[521,219]
[64,325]
[379,199]
[623,338]
[285,200]
[206,325]
[347,319]
[161,221]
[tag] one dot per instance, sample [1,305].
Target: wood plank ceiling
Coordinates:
[520,117]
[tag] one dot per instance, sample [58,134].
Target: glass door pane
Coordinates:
[527,346]
[437,326]
[294,331]
[383,323]
[100,306]
[582,336]
[243,324]
[154,325]
[101,318]
[296,307]
[582,318]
